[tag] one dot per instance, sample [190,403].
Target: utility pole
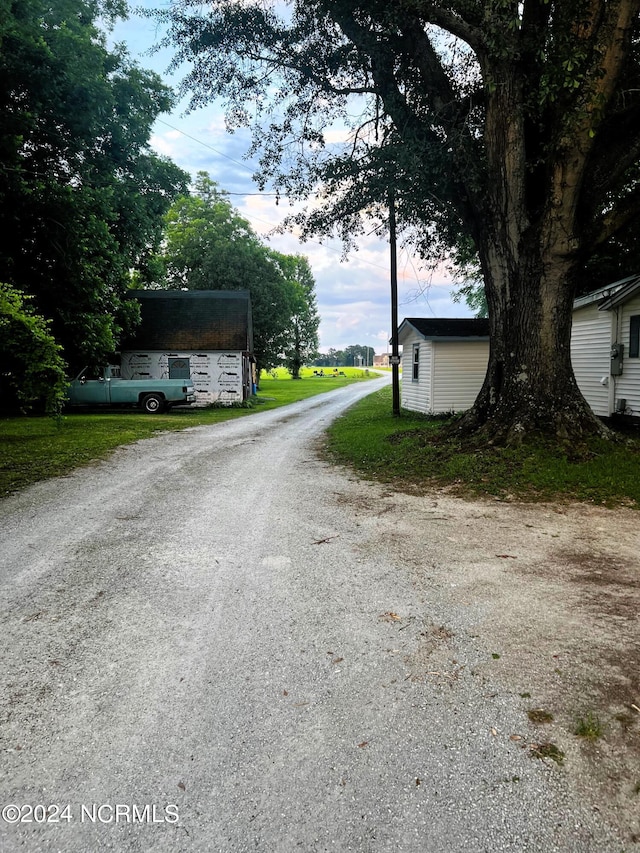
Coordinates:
[395,355]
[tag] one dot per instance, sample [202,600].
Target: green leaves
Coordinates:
[302,331]
[33,371]
[82,196]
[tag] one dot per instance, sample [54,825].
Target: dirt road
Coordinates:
[214,641]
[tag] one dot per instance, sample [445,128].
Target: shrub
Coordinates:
[32,371]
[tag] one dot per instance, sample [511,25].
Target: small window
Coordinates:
[634,336]
[416,362]
[179,368]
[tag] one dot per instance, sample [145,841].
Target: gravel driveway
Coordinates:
[214,641]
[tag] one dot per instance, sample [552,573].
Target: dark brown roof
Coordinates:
[193,320]
[448,328]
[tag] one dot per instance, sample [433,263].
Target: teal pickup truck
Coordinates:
[107,388]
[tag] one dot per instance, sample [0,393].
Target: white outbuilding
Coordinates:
[444,362]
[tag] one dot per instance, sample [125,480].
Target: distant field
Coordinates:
[34,448]
[311,372]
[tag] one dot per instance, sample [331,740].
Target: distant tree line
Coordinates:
[353,356]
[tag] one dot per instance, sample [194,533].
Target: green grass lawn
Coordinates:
[411,450]
[34,448]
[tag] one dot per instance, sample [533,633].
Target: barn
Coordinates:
[605,347]
[444,362]
[206,335]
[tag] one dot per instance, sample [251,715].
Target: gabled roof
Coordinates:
[447,329]
[193,320]
[611,295]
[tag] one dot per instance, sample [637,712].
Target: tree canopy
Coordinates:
[302,344]
[208,245]
[512,126]
[82,195]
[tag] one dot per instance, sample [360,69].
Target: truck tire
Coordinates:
[153,404]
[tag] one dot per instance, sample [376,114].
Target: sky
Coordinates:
[353,296]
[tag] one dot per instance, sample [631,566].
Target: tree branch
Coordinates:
[626,212]
[457,24]
[617,149]
[383,63]
[435,81]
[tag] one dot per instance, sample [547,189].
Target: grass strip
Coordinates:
[413,452]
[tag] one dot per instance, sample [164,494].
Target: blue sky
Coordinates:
[353,295]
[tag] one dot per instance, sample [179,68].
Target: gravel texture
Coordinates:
[281,657]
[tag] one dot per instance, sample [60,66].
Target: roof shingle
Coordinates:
[449,327]
[193,320]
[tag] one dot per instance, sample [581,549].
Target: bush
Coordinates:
[32,371]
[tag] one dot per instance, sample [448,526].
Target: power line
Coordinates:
[258,194]
[205,144]
[243,195]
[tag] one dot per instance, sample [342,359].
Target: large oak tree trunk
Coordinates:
[530,387]
[524,227]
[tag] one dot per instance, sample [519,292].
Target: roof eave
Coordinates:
[406,323]
[607,296]
[455,338]
[622,295]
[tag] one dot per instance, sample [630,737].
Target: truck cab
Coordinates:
[91,387]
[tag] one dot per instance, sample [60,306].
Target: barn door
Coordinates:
[179,368]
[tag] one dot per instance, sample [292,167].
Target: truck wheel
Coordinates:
[153,404]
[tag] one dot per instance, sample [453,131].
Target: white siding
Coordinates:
[216,376]
[628,385]
[416,396]
[591,355]
[459,371]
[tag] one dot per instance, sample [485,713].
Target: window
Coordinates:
[416,362]
[179,368]
[634,336]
